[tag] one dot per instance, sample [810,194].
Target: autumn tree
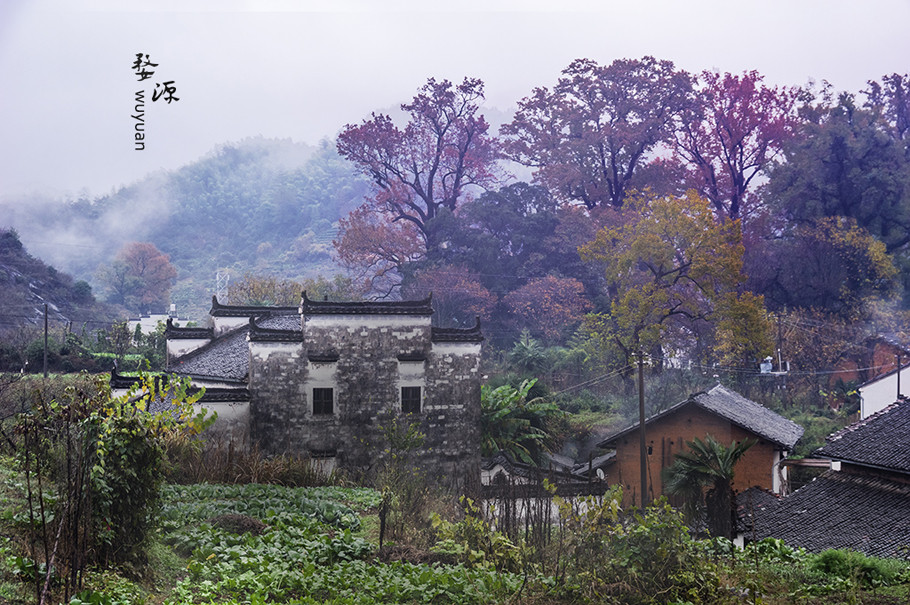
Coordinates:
[268,290]
[431,164]
[673,272]
[728,138]
[549,305]
[140,277]
[458,296]
[588,136]
[376,248]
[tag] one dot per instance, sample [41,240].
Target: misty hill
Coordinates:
[261,205]
[27,283]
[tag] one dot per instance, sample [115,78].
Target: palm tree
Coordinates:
[707,464]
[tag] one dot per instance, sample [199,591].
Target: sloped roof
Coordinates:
[753,502]
[260,332]
[393,307]
[528,471]
[739,410]
[842,510]
[881,441]
[227,357]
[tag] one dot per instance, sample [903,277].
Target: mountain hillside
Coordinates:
[264,206]
[27,284]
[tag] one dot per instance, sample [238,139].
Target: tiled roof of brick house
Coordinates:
[866,505]
[737,409]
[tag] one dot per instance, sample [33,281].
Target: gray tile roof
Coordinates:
[471,334]
[750,415]
[882,440]
[220,310]
[842,510]
[737,409]
[754,501]
[392,307]
[227,357]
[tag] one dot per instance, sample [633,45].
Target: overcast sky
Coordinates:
[302,69]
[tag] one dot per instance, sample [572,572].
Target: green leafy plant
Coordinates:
[512,423]
[473,541]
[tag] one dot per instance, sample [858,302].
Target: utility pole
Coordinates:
[641,430]
[45,340]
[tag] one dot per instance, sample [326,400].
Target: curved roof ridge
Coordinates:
[472,334]
[222,310]
[178,333]
[391,307]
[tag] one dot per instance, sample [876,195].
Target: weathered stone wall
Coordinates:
[276,381]
[358,357]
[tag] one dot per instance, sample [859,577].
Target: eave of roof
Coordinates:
[220,310]
[173,332]
[395,307]
[881,377]
[472,334]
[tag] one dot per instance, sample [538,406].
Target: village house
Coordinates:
[719,412]
[873,364]
[862,503]
[335,380]
[878,393]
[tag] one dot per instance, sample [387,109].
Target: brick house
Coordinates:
[720,412]
[330,379]
[862,503]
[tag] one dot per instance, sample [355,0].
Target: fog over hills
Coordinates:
[267,206]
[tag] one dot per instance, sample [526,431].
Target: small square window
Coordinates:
[322,401]
[410,400]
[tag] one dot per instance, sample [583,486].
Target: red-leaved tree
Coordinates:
[375,248]
[549,305]
[140,277]
[458,295]
[590,134]
[430,165]
[732,134]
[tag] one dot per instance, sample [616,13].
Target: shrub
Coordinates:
[104,457]
[867,572]
[648,557]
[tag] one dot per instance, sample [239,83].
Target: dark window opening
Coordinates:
[410,400]
[322,401]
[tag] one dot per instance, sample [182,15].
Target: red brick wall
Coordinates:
[668,435]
